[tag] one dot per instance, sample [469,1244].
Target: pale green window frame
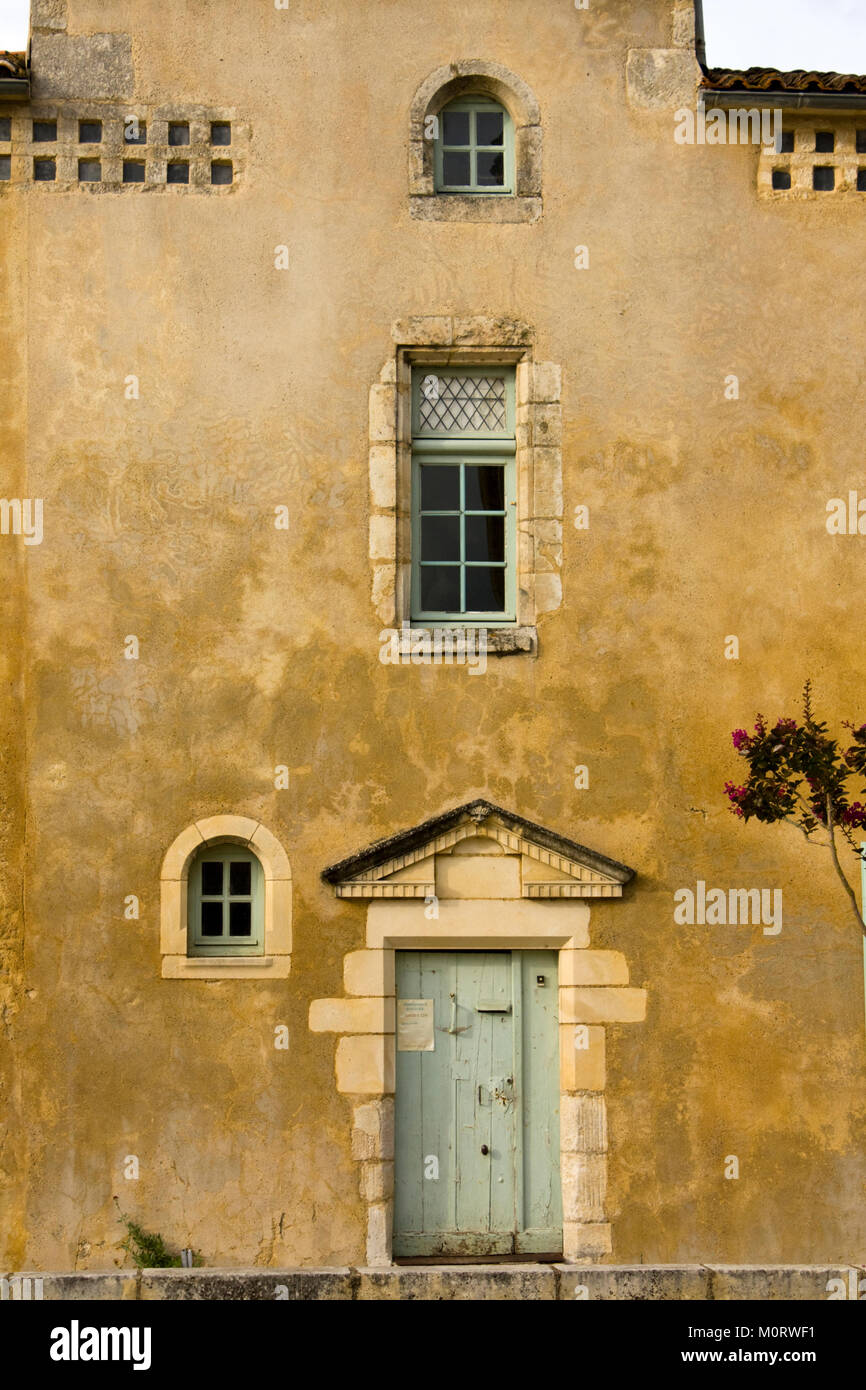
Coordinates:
[226,897]
[463,449]
[472,148]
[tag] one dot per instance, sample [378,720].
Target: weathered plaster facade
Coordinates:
[255,321]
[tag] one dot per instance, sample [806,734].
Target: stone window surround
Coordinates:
[473,341]
[464,78]
[593,991]
[276,961]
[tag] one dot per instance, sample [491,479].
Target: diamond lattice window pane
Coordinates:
[462,404]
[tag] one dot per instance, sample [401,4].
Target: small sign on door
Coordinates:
[415,1025]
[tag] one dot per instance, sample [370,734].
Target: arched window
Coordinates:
[474,152]
[226,903]
[475,131]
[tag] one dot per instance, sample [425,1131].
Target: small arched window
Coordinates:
[474,149]
[226,903]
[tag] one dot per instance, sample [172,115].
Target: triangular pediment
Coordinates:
[551,865]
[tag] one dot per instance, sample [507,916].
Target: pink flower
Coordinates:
[740,739]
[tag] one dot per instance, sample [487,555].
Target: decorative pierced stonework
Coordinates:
[207,167]
[845,163]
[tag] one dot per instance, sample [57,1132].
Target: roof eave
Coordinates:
[803,101]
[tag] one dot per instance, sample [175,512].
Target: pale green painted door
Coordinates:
[477,1114]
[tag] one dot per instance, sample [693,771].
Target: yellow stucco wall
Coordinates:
[260,647]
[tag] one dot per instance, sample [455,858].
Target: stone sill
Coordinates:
[454,207]
[546,1282]
[271,967]
[501,641]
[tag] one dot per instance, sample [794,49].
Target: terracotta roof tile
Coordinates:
[772,80]
[13,65]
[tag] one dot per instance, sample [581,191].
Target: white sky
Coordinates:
[823,34]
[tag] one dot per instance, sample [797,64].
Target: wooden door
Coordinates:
[477,1104]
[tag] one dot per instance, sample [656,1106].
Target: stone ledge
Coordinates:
[519,1281]
[247,1284]
[501,641]
[452,207]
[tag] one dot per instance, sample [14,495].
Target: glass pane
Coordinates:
[491,169]
[240,919]
[440,589]
[485,488]
[240,878]
[211,879]
[485,590]
[455,127]
[488,127]
[455,170]
[211,919]
[463,404]
[440,538]
[440,488]
[178,133]
[485,538]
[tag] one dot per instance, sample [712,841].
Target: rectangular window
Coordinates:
[5,128]
[44,132]
[474,152]
[464,504]
[226,888]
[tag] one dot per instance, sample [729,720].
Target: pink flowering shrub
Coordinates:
[794,771]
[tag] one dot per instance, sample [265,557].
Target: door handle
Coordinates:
[484,1149]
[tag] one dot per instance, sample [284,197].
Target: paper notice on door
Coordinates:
[415,1025]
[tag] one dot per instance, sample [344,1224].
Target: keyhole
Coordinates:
[484,1149]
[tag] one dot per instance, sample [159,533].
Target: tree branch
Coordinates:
[838,867]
